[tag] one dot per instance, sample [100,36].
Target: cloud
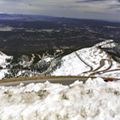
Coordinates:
[114,6]
[97,9]
[83,1]
[12,0]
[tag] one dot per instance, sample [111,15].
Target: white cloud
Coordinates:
[66,8]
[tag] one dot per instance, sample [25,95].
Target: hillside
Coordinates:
[90,61]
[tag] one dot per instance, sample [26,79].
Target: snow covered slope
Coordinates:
[91,61]
[88,61]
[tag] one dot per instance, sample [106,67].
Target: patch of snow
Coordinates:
[110,45]
[48,59]
[2,73]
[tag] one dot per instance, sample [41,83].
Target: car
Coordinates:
[108,80]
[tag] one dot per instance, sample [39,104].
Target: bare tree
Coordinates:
[45,55]
[30,62]
[39,56]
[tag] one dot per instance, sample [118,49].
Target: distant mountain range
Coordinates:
[5,16]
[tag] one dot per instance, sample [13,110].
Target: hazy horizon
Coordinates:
[83,9]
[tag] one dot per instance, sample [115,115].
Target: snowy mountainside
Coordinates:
[91,61]
[86,61]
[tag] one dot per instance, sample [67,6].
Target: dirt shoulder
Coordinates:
[46,77]
[38,78]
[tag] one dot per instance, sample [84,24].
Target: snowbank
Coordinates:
[94,100]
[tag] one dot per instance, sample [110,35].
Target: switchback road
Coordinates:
[91,69]
[102,63]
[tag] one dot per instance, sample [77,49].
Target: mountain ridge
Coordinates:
[6,16]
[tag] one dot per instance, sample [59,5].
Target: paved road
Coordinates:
[64,81]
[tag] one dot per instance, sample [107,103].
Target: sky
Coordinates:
[90,9]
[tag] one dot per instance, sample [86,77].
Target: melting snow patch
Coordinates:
[94,100]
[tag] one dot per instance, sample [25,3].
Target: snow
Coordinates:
[93,100]
[104,43]
[90,60]
[93,56]
[48,59]
[3,58]
[110,74]
[71,65]
[110,45]
[3,64]
[2,73]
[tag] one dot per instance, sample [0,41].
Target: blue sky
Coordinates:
[90,9]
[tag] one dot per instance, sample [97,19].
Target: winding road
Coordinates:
[91,69]
[102,63]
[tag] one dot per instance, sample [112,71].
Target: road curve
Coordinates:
[91,69]
[64,81]
[102,64]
